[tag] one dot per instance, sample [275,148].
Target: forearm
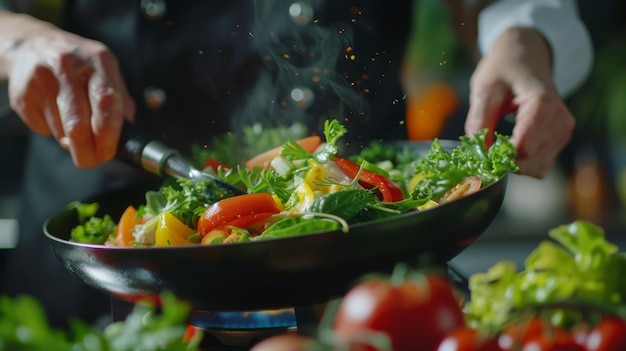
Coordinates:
[558,22]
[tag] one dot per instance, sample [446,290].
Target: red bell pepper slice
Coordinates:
[389,191]
[214,164]
[240,211]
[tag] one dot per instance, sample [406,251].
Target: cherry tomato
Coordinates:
[552,342]
[415,314]
[516,333]
[537,334]
[465,187]
[310,144]
[608,335]
[237,210]
[390,191]
[468,339]
[283,342]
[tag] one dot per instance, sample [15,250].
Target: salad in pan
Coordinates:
[302,187]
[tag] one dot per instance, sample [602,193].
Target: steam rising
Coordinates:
[300,81]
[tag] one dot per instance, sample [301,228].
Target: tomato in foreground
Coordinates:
[468,339]
[608,335]
[241,210]
[537,334]
[283,342]
[415,314]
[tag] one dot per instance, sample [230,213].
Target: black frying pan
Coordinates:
[276,273]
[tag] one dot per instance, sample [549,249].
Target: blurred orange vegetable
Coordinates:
[428,108]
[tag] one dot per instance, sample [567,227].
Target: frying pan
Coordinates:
[274,273]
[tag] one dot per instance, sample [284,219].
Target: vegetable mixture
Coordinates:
[302,187]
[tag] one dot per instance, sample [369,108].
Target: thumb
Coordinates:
[486,109]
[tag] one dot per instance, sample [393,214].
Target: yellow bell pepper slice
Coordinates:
[300,199]
[427,205]
[171,231]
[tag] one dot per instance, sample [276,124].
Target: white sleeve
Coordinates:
[558,22]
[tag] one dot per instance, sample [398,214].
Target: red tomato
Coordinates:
[516,333]
[414,314]
[283,342]
[468,339]
[557,342]
[465,187]
[537,334]
[608,335]
[236,210]
[389,190]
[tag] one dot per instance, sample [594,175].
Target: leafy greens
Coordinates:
[578,266]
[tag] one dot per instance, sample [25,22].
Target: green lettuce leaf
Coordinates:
[445,168]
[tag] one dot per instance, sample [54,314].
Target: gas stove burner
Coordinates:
[241,330]
[283,318]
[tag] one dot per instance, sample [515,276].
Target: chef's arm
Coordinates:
[477,24]
[64,85]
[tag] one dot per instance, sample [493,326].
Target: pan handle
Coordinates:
[138,148]
[141,150]
[131,144]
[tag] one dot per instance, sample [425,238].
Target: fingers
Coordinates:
[488,100]
[107,95]
[32,95]
[544,126]
[75,109]
[72,89]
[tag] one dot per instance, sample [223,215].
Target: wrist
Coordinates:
[560,25]
[527,45]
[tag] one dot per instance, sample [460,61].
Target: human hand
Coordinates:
[517,75]
[69,87]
